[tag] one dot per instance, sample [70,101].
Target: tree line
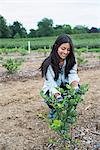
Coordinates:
[45,28]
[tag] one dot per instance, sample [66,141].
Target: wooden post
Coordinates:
[29,49]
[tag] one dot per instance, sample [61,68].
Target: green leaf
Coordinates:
[60,105]
[68,86]
[57,123]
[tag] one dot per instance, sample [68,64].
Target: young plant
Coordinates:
[80,59]
[65,112]
[98,58]
[12,65]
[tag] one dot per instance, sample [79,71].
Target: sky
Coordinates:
[72,12]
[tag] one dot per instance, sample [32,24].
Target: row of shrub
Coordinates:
[82,40]
[12,48]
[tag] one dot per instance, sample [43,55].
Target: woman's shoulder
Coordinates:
[74,68]
[50,70]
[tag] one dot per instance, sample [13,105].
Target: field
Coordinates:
[86,40]
[21,128]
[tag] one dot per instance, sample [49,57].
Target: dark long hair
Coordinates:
[53,59]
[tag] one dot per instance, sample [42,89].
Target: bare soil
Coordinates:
[21,127]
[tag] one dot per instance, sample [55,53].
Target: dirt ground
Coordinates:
[21,128]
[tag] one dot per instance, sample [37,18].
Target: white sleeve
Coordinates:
[51,83]
[73,76]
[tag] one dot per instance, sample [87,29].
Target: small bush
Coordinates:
[80,59]
[65,112]
[12,65]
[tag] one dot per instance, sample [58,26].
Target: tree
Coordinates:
[45,27]
[58,30]
[4,29]
[80,29]
[17,36]
[94,30]
[18,28]
[32,33]
[67,29]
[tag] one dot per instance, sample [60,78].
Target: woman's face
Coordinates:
[64,50]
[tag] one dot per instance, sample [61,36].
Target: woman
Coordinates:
[60,67]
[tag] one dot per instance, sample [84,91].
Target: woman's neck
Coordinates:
[61,62]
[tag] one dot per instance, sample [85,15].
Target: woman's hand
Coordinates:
[58,97]
[75,85]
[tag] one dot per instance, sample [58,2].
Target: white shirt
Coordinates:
[51,85]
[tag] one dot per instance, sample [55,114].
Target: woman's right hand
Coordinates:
[59,98]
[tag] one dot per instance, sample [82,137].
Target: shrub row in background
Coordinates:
[87,41]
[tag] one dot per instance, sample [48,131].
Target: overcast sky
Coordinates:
[30,12]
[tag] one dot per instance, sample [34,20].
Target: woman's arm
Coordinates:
[73,77]
[51,83]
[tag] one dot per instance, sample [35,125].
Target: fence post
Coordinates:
[29,49]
